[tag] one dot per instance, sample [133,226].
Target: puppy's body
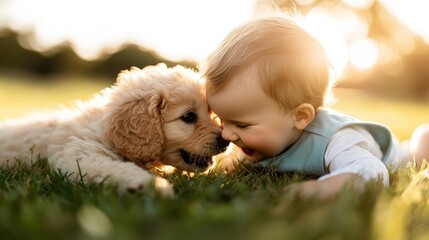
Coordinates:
[66,142]
[154,116]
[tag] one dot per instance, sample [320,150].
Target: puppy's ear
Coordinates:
[135,130]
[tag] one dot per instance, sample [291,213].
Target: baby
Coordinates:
[268,83]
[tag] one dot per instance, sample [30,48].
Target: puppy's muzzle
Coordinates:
[222,144]
[202,161]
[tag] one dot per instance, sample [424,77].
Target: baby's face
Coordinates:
[252,120]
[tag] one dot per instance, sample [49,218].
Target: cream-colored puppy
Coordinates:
[151,117]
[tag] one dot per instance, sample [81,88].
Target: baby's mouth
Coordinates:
[248,151]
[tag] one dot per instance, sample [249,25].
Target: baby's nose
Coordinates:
[229,135]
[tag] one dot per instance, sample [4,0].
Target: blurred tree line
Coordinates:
[404,75]
[63,60]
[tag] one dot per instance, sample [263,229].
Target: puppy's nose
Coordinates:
[222,143]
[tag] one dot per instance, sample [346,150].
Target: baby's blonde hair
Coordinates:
[292,66]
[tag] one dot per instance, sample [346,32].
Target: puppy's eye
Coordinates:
[189,117]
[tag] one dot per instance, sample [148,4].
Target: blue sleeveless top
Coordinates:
[307,154]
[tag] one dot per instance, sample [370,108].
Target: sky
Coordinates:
[191,29]
[185,29]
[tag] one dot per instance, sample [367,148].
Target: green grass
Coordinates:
[36,203]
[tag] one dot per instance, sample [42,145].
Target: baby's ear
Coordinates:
[304,114]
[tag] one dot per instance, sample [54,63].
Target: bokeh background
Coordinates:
[52,51]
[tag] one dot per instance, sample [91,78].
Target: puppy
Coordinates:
[151,117]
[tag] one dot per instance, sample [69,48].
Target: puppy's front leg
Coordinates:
[92,162]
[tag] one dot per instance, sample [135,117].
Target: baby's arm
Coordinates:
[352,158]
[328,187]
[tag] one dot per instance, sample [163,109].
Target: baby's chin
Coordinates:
[254,156]
[243,153]
[250,155]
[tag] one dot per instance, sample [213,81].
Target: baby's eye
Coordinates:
[241,126]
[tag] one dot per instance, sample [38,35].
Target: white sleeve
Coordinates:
[354,150]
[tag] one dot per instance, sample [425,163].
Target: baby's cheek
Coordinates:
[276,146]
[269,147]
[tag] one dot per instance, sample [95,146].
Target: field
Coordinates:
[38,204]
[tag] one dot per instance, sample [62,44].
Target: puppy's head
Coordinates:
[161,114]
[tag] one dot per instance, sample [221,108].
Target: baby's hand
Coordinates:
[327,188]
[305,189]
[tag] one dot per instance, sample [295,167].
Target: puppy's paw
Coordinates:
[230,160]
[164,187]
[135,185]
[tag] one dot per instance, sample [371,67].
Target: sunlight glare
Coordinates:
[358,4]
[391,62]
[304,2]
[351,24]
[413,13]
[322,26]
[195,32]
[403,42]
[364,53]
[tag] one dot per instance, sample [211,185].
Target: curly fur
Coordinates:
[122,132]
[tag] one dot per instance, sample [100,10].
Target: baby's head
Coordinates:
[260,75]
[291,65]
